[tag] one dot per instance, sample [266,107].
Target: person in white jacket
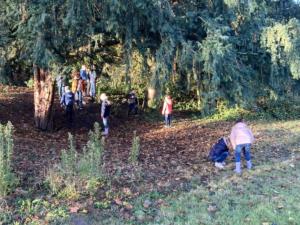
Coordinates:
[241,138]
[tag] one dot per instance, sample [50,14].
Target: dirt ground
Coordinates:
[168,156]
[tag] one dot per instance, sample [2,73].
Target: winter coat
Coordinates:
[168,107]
[83,74]
[241,134]
[105,109]
[67,99]
[218,149]
[75,80]
[132,99]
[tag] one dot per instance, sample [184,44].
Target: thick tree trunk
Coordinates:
[43,99]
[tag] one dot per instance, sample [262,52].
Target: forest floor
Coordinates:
[171,160]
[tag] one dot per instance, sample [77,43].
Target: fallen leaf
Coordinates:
[118,201]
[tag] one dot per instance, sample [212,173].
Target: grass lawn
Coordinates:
[267,195]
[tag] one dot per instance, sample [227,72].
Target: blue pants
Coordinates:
[238,150]
[168,119]
[93,89]
[79,99]
[221,158]
[61,89]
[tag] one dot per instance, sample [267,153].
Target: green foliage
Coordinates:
[30,83]
[282,42]
[135,149]
[37,210]
[78,173]
[211,50]
[8,179]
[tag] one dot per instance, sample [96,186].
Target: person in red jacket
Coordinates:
[167,110]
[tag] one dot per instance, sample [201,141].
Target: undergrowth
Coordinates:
[7,178]
[78,173]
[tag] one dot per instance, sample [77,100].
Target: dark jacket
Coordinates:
[132,99]
[218,149]
[105,109]
[67,99]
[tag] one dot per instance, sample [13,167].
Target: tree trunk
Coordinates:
[43,99]
[198,83]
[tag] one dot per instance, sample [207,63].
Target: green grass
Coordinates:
[267,195]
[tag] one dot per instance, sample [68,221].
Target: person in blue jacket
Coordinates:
[219,152]
[67,100]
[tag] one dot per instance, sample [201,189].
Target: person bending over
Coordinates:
[219,152]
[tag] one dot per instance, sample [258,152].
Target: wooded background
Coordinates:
[241,52]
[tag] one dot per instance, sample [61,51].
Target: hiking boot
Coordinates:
[105,133]
[238,168]
[249,165]
[219,165]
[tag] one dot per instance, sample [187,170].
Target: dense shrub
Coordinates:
[7,178]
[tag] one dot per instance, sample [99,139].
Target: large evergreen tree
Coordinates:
[229,50]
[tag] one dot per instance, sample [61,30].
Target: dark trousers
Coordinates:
[220,158]
[168,119]
[69,114]
[132,108]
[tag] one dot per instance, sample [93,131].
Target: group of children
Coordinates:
[240,140]
[84,83]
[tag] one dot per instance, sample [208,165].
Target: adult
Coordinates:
[241,138]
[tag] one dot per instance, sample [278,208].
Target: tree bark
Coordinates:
[43,99]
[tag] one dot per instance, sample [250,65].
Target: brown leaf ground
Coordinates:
[169,157]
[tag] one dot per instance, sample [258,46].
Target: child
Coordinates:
[241,138]
[167,110]
[83,77]
[105,112]
[79,94]
[219,152]
[75,79]
[93,77]
[67,100]
[132,103]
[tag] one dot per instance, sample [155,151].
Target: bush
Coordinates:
[30,83]
[135,149]
[7,178]
[78,173]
